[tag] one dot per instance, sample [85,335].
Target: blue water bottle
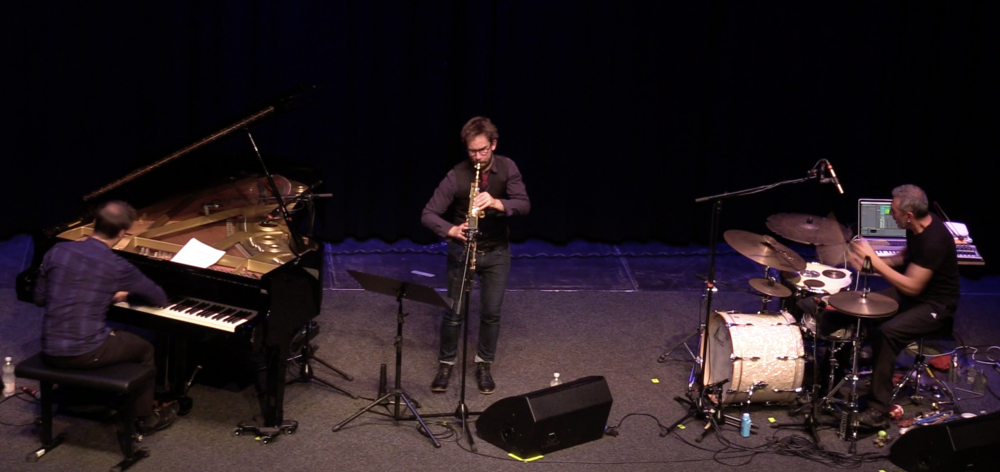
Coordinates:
[745,425]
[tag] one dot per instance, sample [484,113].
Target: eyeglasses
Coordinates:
[482,152]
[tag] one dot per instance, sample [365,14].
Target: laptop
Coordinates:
[875,224]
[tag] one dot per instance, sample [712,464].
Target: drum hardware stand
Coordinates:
[697,402]
[848,428]
[916,372]
[400,290]
[711,412]
[812,406]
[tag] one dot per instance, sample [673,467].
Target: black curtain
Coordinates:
[619,114]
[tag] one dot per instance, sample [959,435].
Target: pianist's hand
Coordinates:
[119,297]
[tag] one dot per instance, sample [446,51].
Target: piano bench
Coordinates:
[122,380]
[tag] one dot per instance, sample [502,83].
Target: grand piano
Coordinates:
[255,299]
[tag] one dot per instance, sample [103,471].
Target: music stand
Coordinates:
[400,290]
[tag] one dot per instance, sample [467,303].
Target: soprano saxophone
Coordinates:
[473,217]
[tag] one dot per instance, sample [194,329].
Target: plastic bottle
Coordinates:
[8,378]
[745,425]
[555,380]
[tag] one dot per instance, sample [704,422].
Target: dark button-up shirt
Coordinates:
[75,285]
[516,203]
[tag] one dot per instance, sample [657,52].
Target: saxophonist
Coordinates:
[501,194]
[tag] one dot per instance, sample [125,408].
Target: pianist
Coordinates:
[927,290]
[77,283]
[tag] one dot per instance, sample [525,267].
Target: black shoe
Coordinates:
[873,419]
[161,418]
[440,383]
[484,379]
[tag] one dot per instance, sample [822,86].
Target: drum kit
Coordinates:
[761,357]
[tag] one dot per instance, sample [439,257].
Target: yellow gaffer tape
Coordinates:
[525,460]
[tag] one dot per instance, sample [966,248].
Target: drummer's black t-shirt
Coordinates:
[934,249]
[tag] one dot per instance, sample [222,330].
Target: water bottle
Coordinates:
[555,380]
[8,378]
[745,425]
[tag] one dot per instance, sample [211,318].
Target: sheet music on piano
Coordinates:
[198,254]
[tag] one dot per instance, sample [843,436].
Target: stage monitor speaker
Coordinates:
[957,445]
[548,420]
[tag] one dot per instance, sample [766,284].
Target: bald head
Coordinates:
[113,217]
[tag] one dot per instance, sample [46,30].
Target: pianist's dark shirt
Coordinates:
[76,284]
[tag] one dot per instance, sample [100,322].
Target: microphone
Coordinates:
[833,177]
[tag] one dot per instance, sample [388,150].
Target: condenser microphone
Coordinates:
[833,177]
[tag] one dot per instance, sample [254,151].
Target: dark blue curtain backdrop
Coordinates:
[619,114]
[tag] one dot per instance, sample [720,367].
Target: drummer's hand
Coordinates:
[854,260]
[863,249]
[458,231]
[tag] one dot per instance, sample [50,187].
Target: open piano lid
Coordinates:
[241,217]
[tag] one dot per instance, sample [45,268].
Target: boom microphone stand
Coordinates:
[699,396]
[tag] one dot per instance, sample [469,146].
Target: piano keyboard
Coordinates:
[199,312]
[967,253]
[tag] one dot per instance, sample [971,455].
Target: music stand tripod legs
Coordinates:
[400,290]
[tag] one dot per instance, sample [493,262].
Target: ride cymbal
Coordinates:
[808,229]
[764,250]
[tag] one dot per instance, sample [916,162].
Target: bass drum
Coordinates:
[750,348]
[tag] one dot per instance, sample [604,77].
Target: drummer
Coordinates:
[925,282]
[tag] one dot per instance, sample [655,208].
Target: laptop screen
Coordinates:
[875,219]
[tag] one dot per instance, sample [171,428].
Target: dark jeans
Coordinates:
[492,266]
[913,321]
[119,348]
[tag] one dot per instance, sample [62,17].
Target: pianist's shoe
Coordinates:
[161,418]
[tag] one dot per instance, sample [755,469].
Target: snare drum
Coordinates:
[818,279]
[749,348]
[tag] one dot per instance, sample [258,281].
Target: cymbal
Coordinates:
[764,250]
[833,254]
[808,229]
[770,288]
[865,305]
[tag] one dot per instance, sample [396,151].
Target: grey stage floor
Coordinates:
[581,309]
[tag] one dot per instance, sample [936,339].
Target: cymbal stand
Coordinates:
[848,429]
[815,403]
[699,404]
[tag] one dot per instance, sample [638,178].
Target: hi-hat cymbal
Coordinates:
[808,229]
[770,288]
[865,305]
[764,250]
